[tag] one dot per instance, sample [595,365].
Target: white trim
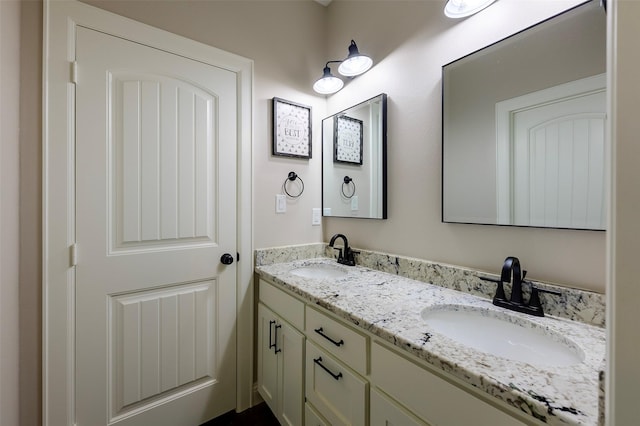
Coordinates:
[61,17]
[505,111]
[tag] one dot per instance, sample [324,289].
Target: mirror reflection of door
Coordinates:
[551,156]
[566,48]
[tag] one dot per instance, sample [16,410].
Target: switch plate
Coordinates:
[281,203]
[316,216]
[354,203]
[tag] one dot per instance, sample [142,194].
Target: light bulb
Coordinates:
[355,65]
[328,85]
[463,8]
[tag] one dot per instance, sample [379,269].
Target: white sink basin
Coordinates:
[319,271]
[494,333]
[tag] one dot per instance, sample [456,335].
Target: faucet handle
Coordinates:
[339,249]
[534,301]
[499,289]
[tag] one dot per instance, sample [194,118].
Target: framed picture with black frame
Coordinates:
[347,141]
[291,129]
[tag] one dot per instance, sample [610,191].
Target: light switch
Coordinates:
[316,216]
[354,203]
[281,203]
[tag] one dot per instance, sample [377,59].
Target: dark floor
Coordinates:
[260,415]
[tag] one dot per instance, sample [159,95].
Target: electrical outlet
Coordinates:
[281,203]
[316,216]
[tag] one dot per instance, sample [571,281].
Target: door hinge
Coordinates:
[74,72]
[73,254]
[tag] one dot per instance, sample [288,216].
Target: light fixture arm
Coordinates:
[326,72]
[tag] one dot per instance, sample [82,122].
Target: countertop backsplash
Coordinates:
[574,304]
[269,256]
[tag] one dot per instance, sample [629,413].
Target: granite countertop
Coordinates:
[389,306]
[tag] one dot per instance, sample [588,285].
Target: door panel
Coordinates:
[160,341]
[155,309]
[558,170]
[164,158]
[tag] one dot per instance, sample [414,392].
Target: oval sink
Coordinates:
[496,333]
[318,271]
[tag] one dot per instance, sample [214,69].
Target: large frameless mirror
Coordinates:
[354,163]
[524,127]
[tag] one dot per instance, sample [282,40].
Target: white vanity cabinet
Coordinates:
[351,377]
[281,360]
[429,396]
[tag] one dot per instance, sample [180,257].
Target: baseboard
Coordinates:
[256,398]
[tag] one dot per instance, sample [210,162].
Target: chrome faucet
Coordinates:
[345,254]
[512,273]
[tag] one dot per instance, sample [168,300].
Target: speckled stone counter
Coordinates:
[389,306]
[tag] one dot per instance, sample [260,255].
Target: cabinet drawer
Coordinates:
[385,412]
[312,417]
[339,394]
[338,339]
[429,396]
[288,307]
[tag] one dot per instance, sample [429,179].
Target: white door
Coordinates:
[156,210]
[558,156]
[550,156]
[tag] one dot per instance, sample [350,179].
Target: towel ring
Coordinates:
[346,181]
[292,177]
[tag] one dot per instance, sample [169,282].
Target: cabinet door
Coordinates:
[385,412]
[312,417]
[267,358]
[429,396]
[339,394]
[290,348]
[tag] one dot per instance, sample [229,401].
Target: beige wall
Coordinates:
[410,41]
[30,212]
[9,198]
[623,291]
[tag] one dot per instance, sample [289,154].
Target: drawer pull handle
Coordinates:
[321,332]
[319,362]
[275,344]
[271,345]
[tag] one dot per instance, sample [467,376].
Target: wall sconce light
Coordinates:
[354,65]
[463,8]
